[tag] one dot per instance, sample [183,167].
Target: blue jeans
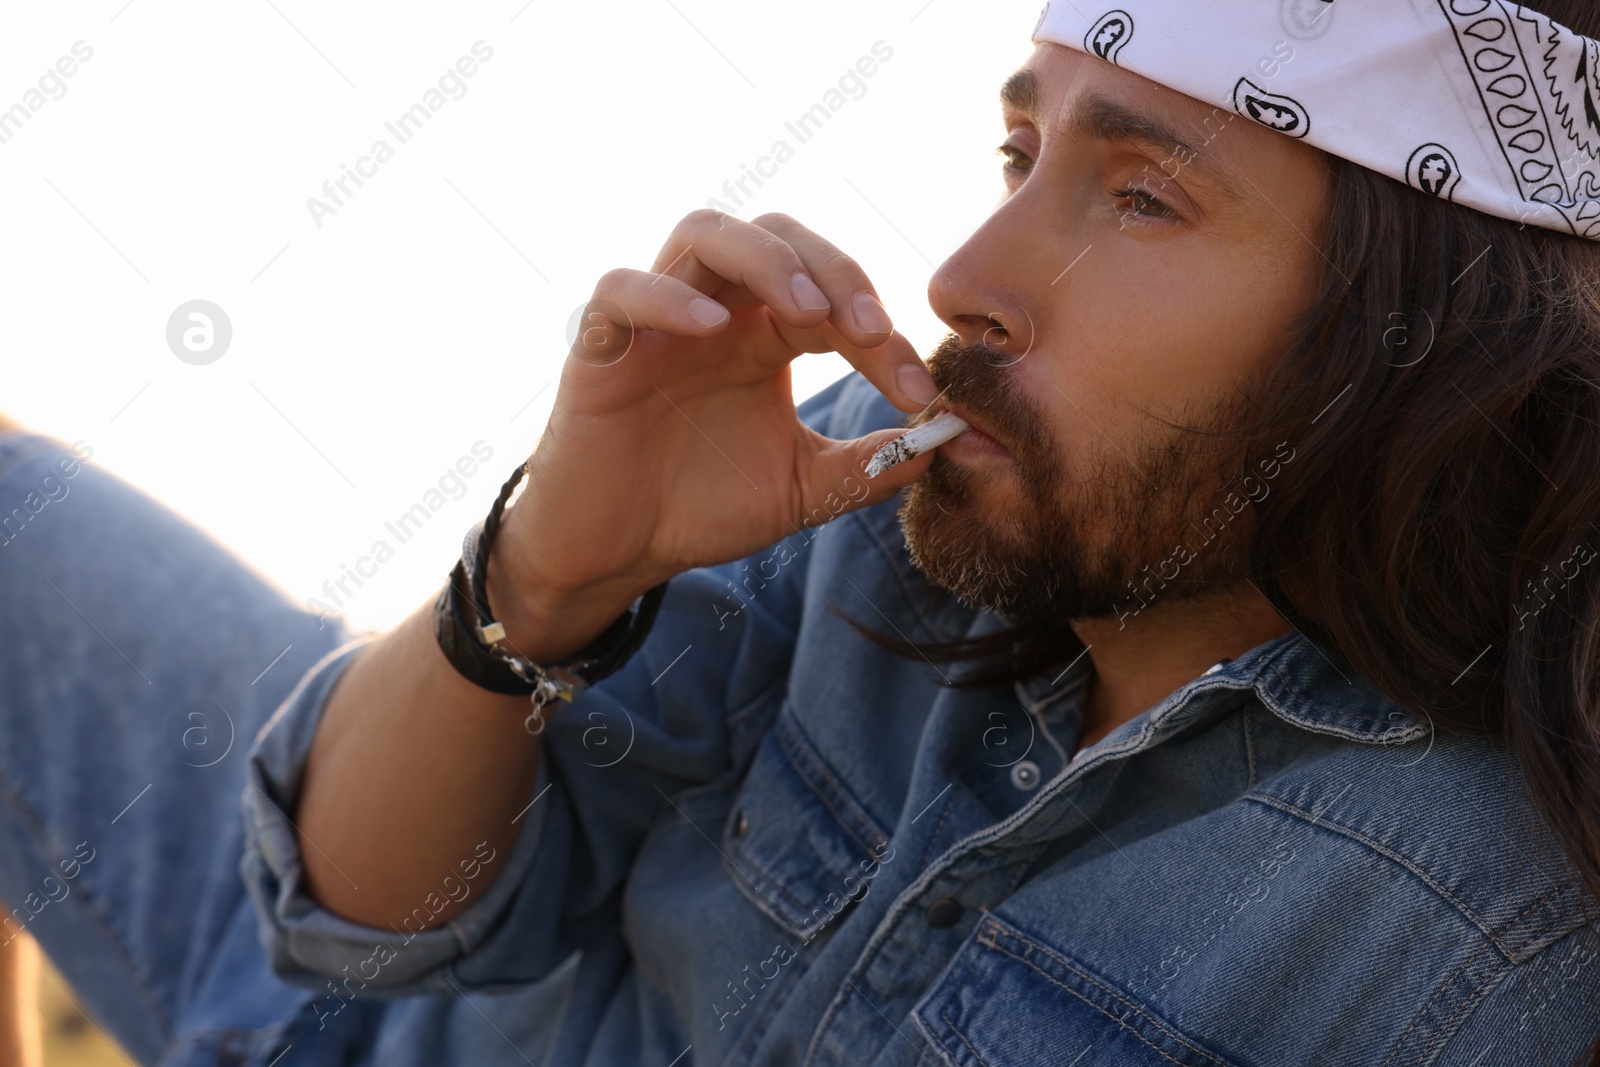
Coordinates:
[138,659]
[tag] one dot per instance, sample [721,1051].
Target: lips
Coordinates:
[977,424]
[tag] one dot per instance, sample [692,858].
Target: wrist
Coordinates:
[546,619]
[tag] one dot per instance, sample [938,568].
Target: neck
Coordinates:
[1138,664]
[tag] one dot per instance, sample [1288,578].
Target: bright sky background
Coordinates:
[430,311]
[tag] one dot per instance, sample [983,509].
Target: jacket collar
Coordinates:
[1296,679]
[1291,675]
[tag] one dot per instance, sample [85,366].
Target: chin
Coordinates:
[965,539]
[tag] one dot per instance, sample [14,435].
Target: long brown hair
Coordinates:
[1441,525]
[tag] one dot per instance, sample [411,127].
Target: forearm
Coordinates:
[414,769]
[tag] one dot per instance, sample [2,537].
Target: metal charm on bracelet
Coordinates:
[550,683]
[476,645]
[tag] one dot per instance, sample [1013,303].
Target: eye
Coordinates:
[1012,156]
[1143,204]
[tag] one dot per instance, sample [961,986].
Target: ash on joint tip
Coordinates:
[915,441]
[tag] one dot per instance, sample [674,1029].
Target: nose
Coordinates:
[984,290]
[1006,327]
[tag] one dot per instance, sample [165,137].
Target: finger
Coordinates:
[710,250]
[837,482]
[857,313]
[858,318]
[626,301]
[892,365]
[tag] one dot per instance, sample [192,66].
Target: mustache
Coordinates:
[976,377]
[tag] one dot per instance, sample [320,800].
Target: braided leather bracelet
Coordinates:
[477,646]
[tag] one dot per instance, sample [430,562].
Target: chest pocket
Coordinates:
[803,850]
[1009,1001]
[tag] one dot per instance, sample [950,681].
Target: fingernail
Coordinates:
[870,316]
[707,313]
[916,383]
[807,296]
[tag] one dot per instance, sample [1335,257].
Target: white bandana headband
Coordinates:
[1481,102]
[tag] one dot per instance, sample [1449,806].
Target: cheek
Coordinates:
[1163,331]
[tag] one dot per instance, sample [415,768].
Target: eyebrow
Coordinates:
[1107,120]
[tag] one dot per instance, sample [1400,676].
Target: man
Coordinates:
[1223,378]
[1171,827]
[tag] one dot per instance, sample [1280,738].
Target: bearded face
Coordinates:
[1083,528]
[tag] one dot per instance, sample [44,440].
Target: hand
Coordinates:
[674,442]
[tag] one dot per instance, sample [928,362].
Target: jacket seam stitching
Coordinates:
[1026,865]
[1324,721]
[922,862]
[774,885]
[956,976]
[790,751]
[1452,1025]
[1249,743]
[1134,1006]
[796,745]
[933,1039]
[1437,993]
[945,1015]
[1395,857]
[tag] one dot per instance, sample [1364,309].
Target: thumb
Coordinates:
[838,482]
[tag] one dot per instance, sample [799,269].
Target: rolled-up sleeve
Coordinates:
[305,942]
[687,709]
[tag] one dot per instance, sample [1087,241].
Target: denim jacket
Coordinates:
[768,840]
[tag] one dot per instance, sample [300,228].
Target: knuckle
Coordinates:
[774,220]
[703,218]
[839,263]
[615,280]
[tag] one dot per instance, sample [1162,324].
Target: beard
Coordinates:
[1099,544]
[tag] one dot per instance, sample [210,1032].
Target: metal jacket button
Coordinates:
[1025,774]
[944,913]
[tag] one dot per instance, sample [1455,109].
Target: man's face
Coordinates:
[1123,285]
